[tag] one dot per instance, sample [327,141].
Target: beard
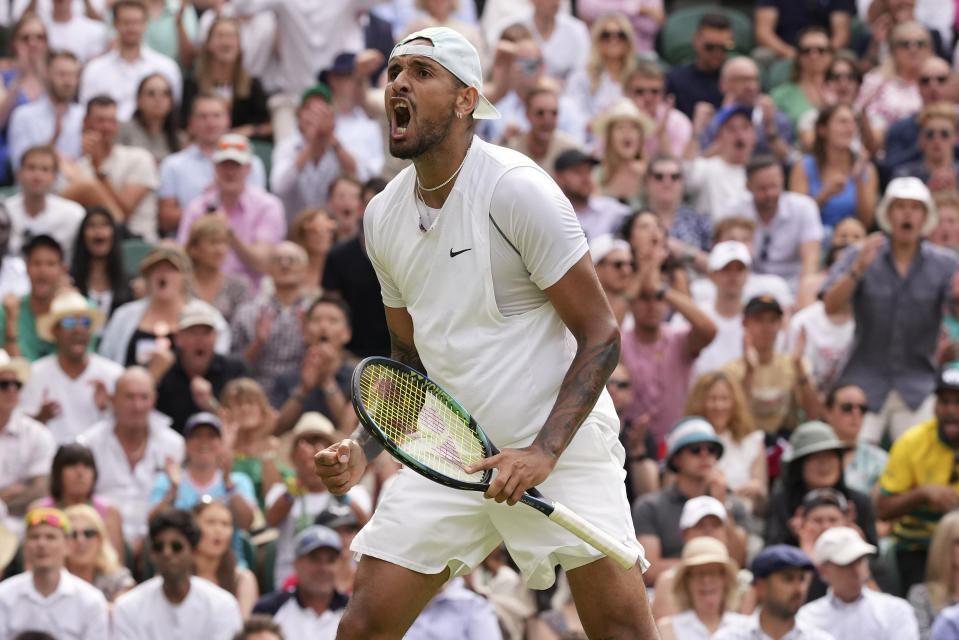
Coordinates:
[433,132]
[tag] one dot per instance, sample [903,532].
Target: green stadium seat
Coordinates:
[675,39]
[9,190]
[263,149]
[778,73]
[134,251]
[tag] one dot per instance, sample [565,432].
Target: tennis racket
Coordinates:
[424,428]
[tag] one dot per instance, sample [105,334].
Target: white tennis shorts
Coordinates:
[426,527]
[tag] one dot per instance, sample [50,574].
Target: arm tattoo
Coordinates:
[584,381]
[405,353]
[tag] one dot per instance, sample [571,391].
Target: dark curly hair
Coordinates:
[179,519]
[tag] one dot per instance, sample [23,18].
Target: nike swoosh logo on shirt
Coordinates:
[453,254]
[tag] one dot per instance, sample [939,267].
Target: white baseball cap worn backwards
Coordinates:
[455,54]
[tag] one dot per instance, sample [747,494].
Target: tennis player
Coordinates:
[489,289]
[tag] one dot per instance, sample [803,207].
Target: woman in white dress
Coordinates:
[705,590]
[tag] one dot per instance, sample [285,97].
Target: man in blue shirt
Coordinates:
[698,81]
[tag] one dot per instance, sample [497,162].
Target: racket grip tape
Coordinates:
[624,555]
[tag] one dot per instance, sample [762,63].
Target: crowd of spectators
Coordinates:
[770,193]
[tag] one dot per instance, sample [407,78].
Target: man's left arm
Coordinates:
[18,496]
[840,26]
[581,304]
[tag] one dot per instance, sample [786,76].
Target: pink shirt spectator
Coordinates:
[257,217]
[678,129]
[660,372]
[888,99]
[646,28]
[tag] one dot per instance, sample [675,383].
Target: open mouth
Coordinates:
[401,117]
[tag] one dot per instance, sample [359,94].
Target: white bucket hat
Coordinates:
[907,188]
[455,54]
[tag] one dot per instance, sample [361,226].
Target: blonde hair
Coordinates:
[940,572]
[421,5]
[612,162]
[242,83]
[684,600]
[206,227]
[107,559]
[595,66]
[942,110]
[305,217]
[888,67]
[948,199]
[740,423]
[241,388]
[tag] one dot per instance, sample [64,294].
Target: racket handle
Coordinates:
[624,555]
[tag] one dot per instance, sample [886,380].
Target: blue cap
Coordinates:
[734,109]
[202,419]
[779,557]
[687,431]
[316,537]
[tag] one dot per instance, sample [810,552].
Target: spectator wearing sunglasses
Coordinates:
[92,556]
[70,390]
[598,215]
[26,446]
[692,453]
[47,597]
[646,87]
[863,462]
[612,58]
[902,137]
[175,603]
[698,81]
[921,480]
[938,167]
[689,231]
[543,142]
[780,24]
[806,87]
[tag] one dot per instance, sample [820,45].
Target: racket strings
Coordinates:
[420,421]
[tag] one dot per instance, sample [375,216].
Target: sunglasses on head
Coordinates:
[927,80]
[660,176]
[609,35]
[45,516]
[842,76]
[848,407]
[619,384]
[175,546]
[89,534]
[911,44]
[699,447]
[72,322]
[805,51]
[932,134]
[7,384]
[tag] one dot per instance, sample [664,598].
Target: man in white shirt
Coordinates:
[35,210]
[729,264]
[54,119]
[130,449]
[563,39]
[186,174]
[119,72]
[121,179]
[782,575]
[789,232]
[347,79]
[314,607]
[307,162]
[70,390]
[542,142]
[175,603]
[717,179]
[850,610]
[48,598]
[26,447]
[85,37]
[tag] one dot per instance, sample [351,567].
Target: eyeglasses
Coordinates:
[72,322]
[7,384]
[849,407]
[805,51]
[842,76]
[661,176]
[155,93]
[712,47]
[175,546]
[641,91]
[89,534]
[709,447]
[539,113]
[932,134]
[910,44]
[927,80]
[619,384]
[605,36]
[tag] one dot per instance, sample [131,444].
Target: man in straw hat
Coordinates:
[897,283]
[48,597]
[26,446]
[430,236]
[70,390]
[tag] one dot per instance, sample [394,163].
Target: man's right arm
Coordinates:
[896,505]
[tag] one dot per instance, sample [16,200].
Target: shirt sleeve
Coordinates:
[45,447]
[143,170]
[539,221]
[283,174]
[840,268]
[166,187]
[388,290]
[272,223]
[812,223]
[98,620]
[245,486]
[644,519]
[160,486]
[898,476]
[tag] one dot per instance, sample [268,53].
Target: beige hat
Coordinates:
[235,147]
[19,366]
[168,253]
[702,551]
[314,422]
[622,110]
[197,312]
[907,188]
[70,303]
